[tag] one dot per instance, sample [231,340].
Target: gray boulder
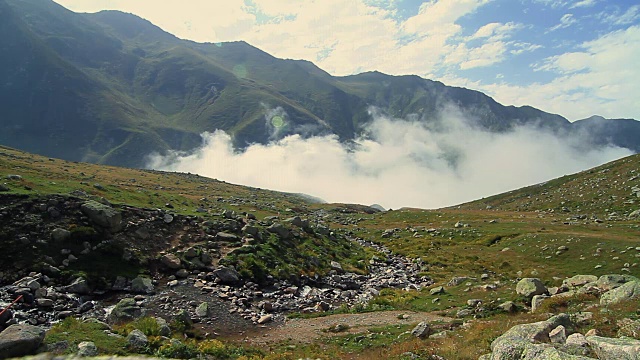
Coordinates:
[87,348]
[624,292]
[124,311]
[60,235]
[171,261]
[142,285]
[422,330]
[227,275]
[579,280]
[529,287]
[612,281]
[615,349]
[103,215]
[137,339]
[20,340]
[78,286]
[202,310]
[279,230]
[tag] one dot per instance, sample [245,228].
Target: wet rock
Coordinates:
[78,286]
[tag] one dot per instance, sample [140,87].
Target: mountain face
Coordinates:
[111,87]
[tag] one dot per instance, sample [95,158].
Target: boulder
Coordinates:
[529,287]
[87,348]
[227,275]
[142,285]
[512,344]
[536,301]
[124,311]
[171,261]
[579,280]
[281,231]
[558,335]
[137,339]
[612,281]
[624,292]
[615,348]
[422,330]
[203,310]
[20,340]
[60,235]
[103,215]
[77,286]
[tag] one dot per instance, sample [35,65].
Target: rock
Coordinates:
[46,303]
[624,292]
[20,340]
[250,230]
[87,348]
[279,230]
[455,281]
[536,301]
[126,310]
[577,339]
[103,215]
[529,287]
[167,218]
[202,310]
[182,273]
[336,266]
[579,280]
[171,261]
[422,330]
[163,327]
[137,339]
[227,275]
[612,281]
[512,344]
[142,285]
[615,349]
[297,221]
[78,286]
[183,317]
[437,290]
[60,235]
[223,236]
[265,319]
[558,335]
[4,188]
[629,328]
[635,214]
[508,306]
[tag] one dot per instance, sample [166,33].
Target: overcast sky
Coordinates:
[575,58]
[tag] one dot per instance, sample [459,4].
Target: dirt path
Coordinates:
[309,330]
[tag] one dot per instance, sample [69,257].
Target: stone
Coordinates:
[227,275]
[142,285]
[78,286]
[336,266]
[265,319]
[629,328]
[437,290]
[579,280]
[182,273]
[163,327]
[87,349]
[203,310]
[612,281]
[279,230]
[137,339]
[125,310]
[529,287]
[60,235]
[102,215]
[20,340]
[455,281]
[627,291]
[558,335]
[422,330]
[4,188]
[171,261]
[508,306]
[577,339]
[250,230]
[615,348]
[536,301]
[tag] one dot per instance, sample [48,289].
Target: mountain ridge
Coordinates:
[158,92]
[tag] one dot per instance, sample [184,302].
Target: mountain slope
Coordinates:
[118,88]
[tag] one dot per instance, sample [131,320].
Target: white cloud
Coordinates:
[584,3]
[436,163]
[628,17]
[565,21]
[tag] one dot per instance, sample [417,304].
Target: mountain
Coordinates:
[111,88]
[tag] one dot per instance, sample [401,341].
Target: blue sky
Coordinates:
[575,58]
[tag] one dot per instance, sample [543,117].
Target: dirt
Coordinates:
[310,330]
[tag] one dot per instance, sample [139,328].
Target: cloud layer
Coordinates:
[430,163]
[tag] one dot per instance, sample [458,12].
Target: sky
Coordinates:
[574,58]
